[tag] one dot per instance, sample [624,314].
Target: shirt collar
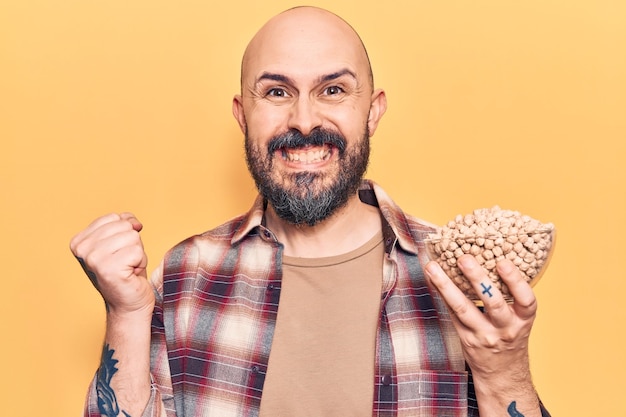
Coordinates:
[251,220]
[395,225]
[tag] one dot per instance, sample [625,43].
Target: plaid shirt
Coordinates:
[217,303]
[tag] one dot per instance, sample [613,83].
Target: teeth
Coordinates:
[306,156]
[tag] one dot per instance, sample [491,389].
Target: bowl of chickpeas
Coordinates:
[491,235]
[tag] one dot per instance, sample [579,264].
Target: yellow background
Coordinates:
[125,105]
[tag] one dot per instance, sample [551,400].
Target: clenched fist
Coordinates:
[112,254]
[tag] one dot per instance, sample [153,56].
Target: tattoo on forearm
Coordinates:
[513,410]
[107,401]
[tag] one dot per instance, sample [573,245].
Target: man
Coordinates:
[314,302]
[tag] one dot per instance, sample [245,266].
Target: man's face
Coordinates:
[305,110]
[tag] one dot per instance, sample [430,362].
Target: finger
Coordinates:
[96,224]
[117,285]
[120,227]
[525,302]
[88,242]
[111,245]
[105,258]
[130,217]
[458,303]
[494,303]
[105,220]
[126,261]
[142,266]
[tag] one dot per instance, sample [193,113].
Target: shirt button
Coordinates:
[254,369]
[386,379]
[271,287]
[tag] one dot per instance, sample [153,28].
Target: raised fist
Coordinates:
[111,253]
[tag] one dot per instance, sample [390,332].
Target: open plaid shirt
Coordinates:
[217,302]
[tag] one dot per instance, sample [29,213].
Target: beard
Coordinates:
[307,198]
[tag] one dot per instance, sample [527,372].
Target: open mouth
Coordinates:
[307,154]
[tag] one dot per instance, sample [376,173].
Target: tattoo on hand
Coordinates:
[92,276]
[107,401]
[513,410]
[89,272]
[486,289]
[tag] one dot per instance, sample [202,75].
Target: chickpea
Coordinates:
[492,235]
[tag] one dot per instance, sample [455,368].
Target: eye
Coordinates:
[333,90]
[277,92]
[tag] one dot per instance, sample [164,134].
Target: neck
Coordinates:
[345,230]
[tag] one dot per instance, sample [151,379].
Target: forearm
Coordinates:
[510,395]
[123,381]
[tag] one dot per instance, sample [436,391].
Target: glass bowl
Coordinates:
[529,250]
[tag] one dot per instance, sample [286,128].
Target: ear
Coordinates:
[377,109]
[238,112]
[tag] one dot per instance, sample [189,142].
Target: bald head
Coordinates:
[307,109]
[305,37]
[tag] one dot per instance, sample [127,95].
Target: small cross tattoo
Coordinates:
[486,289]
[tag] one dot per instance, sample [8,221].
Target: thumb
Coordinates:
[141,269]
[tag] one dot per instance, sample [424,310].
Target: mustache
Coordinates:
[318,137]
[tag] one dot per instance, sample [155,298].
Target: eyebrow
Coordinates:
[324,78]
[274,77]
[338,74]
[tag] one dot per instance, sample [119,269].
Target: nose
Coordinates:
[304,115]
